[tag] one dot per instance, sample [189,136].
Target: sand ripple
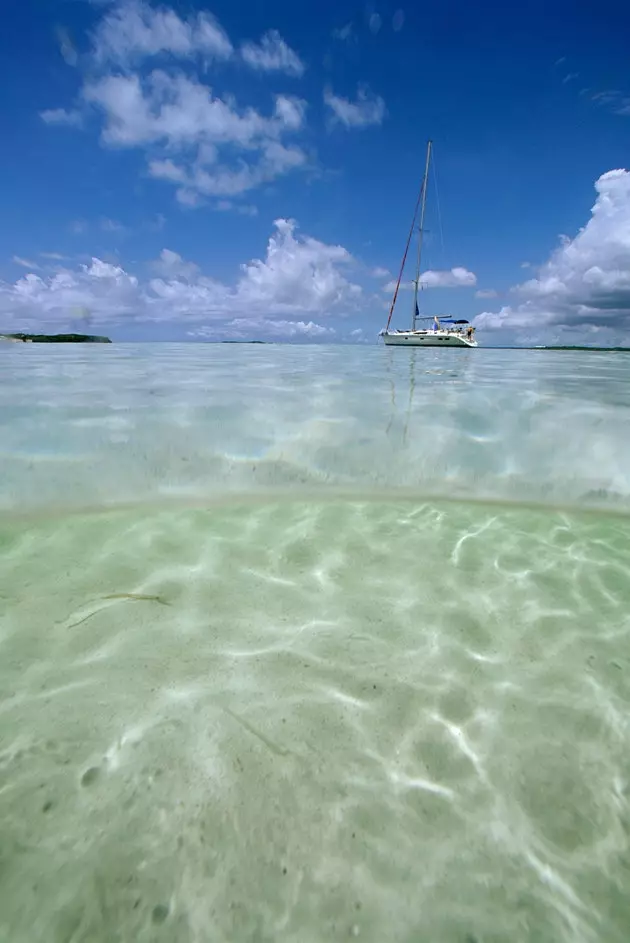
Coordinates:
[315,721]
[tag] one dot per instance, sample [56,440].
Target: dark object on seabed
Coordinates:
[57,338]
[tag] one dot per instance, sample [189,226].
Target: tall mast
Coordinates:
[420,234]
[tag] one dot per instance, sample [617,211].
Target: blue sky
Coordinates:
[182,171]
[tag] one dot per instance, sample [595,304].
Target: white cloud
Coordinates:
[299,278]
[618,102]
[379,272]
[297,274]
[367,110]
[71,118]
[183,116]
[275,160]
[54,256]
[272,54]
[486,293]
[391,286]
[167,170]
[204,144]
[189,198]
[176,111]
[451,278]
[25,263]
[585,285]
[243,209]
[454,278]
[67,47]
[262,328]
[37,302]
[245,326]
[134,30]
[171,265]
[526,264]
[290,111]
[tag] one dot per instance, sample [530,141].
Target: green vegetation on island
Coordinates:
[624,350]
[56,338]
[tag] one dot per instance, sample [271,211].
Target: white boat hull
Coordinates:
[427,339]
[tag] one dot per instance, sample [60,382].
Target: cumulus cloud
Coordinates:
[450,278]
[297,274]
[202,143]
[290,111]
[366,110]
[272,54]
[134,30]
[453,278]
[171,265]
[300,278]
[267,328]
[37,302]
[177,111]
[273,328]
[243,209]
[391,286]
[486,293]
[585,285]
[379,272]
[70,118]
[67,47]
[217,149]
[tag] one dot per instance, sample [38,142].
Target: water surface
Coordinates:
[88,426]
[314,644]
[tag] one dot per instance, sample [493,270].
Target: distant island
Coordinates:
[56,338]
[622,350]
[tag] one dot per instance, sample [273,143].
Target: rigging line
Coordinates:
[439,212]
[413,223]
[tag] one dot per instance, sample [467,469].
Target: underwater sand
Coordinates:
[281,712]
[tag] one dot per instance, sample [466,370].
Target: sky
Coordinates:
[249,171]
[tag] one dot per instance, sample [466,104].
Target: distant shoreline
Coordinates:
[56,338]
[621,350]
[98,339]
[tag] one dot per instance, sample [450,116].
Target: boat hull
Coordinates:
[427,339]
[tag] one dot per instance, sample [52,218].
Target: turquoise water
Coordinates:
[312,644]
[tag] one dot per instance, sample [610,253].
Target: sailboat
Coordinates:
[444,332]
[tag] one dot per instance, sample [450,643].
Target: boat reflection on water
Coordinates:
[431,373]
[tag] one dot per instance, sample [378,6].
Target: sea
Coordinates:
[306,644]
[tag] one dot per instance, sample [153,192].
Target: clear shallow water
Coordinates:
[87,427]
[244,705]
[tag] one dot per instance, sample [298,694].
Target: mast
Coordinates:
[420,234]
